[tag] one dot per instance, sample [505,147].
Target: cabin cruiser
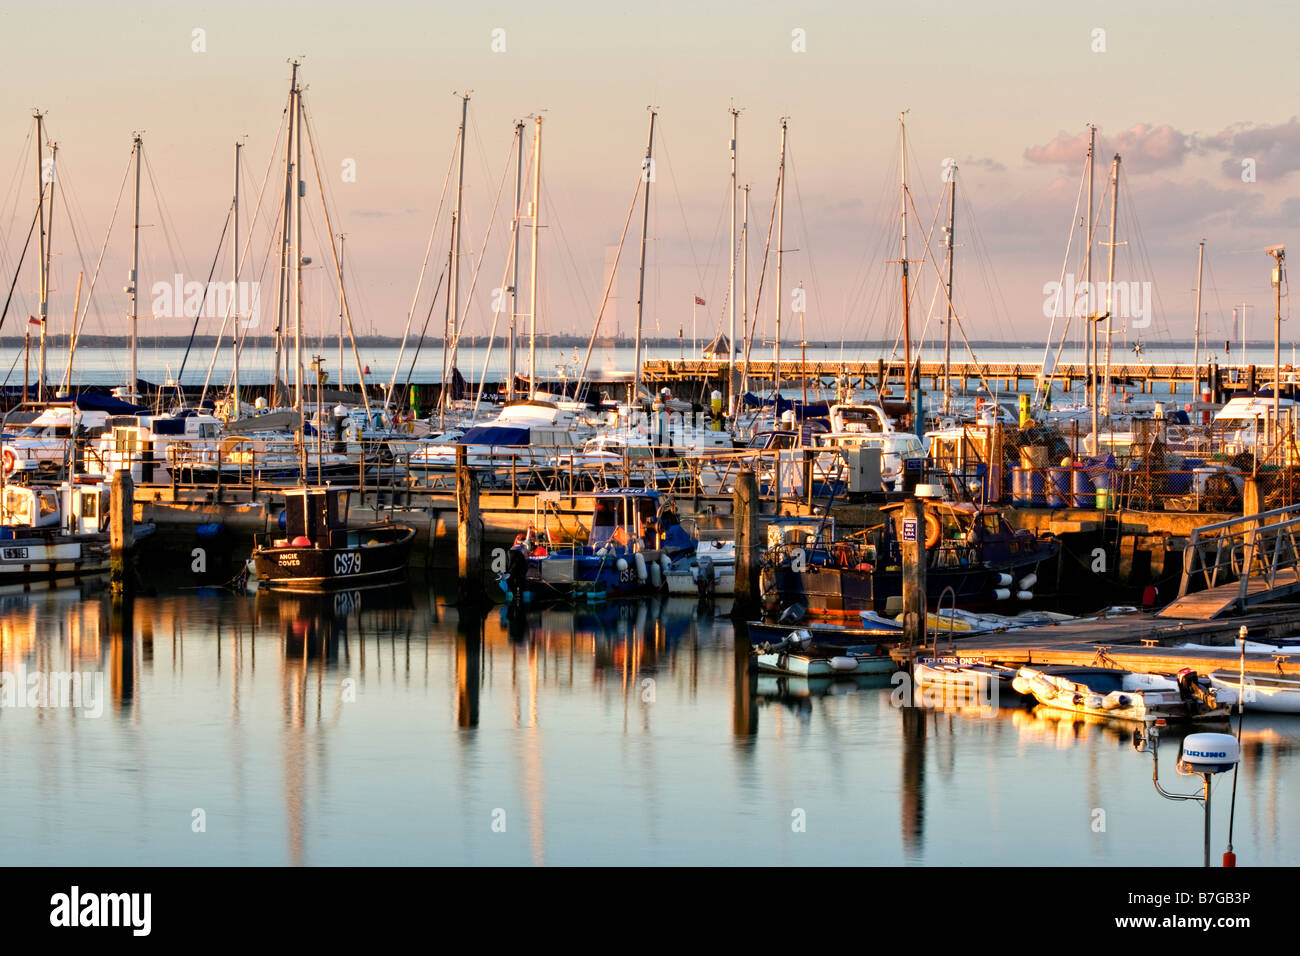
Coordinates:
[48,533]
[868,426]
[46,442]
[527,433]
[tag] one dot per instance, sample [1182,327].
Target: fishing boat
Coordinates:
[970,548]
[1121,695]
[635,538]
[1277,695]
[319,552]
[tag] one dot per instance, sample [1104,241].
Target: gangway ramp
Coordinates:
[1235,564]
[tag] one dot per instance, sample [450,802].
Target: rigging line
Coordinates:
[496,315]
[609,284]
[420,343]
[482,255]
[334,253]
[1056,309]
[14,188]
[79,322]
[672,175]
[30,230]
[232,302]
[955,315]
[758,294]
[198,315]
[803,221]
[419,283]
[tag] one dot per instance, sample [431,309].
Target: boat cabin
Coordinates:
[25,509]
[635,519]
[318,516]
[145,444]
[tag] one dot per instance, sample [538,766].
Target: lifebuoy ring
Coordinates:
[10,460]
[932,530]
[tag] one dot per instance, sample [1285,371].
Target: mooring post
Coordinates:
[469,531]
[912,539]
[745,508]
[121,528]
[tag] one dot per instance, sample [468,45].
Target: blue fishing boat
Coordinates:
[634,538]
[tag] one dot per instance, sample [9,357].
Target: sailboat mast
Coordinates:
[514,282]
[947,330]
[647,177]
[731,276]
[453,291]
[537,222]
[744,302]
[1110,272]
[135,271]
[46,242]
[1196,327]
[907,314]
[234,298]
[300,187]
[780,227]
[1090,326]
[281,300]
[343,237]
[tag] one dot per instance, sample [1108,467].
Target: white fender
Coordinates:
[1024,595]
[641,571]
[621,564]
[1001,594]
[1004,580]
[656,576]
[844,664]
[1028,581]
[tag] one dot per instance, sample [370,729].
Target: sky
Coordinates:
[1197,98]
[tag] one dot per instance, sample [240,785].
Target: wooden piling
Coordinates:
[912,540]
[469,532]
[745,508]
[121,527]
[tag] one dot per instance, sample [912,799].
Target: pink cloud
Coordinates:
[1143,147]
[1275,148]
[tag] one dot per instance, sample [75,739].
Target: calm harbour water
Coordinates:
[373,728]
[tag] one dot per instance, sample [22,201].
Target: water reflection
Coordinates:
[388,726]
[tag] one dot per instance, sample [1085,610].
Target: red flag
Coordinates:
[699,301]
[33,320]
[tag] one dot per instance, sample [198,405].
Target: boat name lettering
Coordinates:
[15,554]
[347,562]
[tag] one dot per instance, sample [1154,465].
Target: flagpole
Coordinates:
[695,342]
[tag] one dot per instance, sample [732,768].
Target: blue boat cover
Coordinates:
[496,435]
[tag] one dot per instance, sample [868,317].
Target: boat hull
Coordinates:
[359,564]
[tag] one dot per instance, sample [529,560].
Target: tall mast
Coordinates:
[744,300]
[281,300]
[300,187]
[135,270]
[731,278]
[514,282]
[47,242]
[780,225]
[647,178]
[1090,326]
[947,330]
[907,314]
[234,297]
[343,237]
[453,279]
[1110,272]
[1196,327]
[537,222]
